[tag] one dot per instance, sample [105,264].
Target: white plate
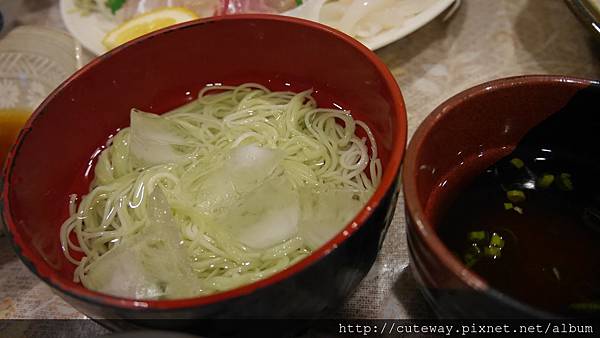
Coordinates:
[410,25]
[90,30]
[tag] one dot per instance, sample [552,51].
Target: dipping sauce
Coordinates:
[11,122]
[530,223]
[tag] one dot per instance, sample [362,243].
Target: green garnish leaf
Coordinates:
[508,206]
[545,181]
[564,182]
[517,162]
[114,5]
[477,236]
[298,2]
[515,196]
[496,240]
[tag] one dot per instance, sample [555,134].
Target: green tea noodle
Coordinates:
[223,191]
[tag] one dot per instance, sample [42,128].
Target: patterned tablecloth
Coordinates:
[483,40]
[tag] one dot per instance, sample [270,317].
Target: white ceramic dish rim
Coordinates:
[88,32]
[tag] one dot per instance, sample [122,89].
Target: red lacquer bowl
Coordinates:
[455,143]
[165,69]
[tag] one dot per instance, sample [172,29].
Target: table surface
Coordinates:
[483,40]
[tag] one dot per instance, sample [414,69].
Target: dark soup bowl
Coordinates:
[55,152]
[501,200]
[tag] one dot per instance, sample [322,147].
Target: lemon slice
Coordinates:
[146,23]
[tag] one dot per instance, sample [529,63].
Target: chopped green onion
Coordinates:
[519,210]
[508,206]
[592,306]
[496,240]
[477,236]
[470,260]
[298,2]
[517,162]
[564,182]
[471,255]
[474,249]
[492,251]
[545,181]
[515,196]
